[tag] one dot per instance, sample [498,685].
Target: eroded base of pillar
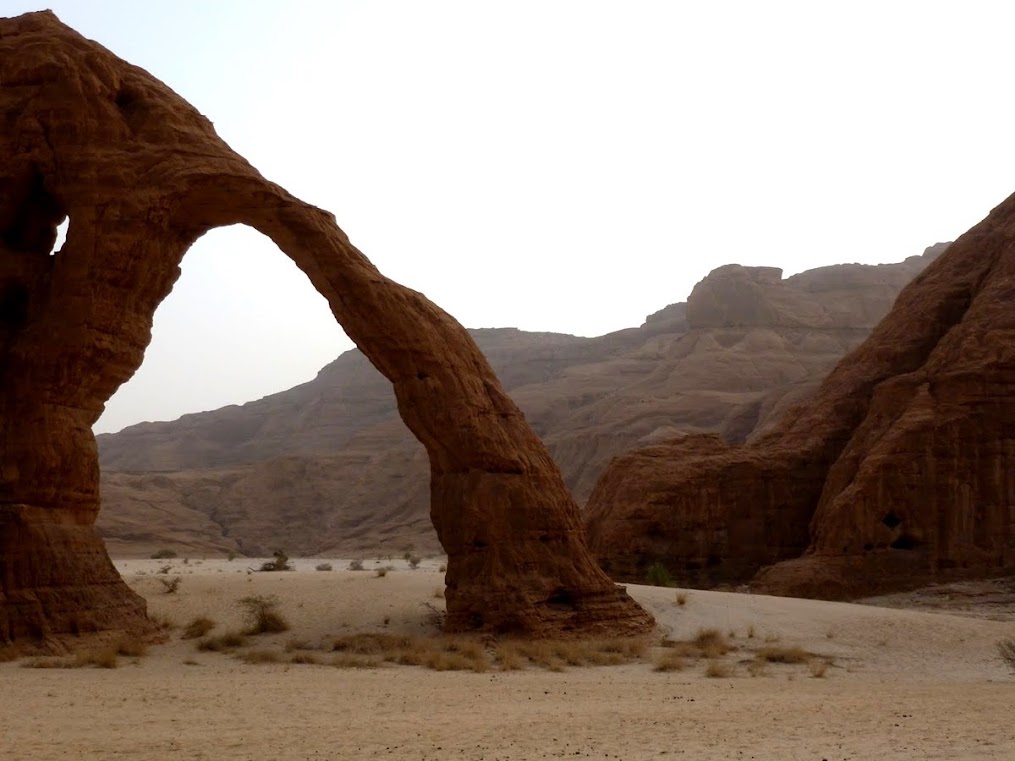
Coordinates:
[57,581]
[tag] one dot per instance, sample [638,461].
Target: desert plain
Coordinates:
[909,676]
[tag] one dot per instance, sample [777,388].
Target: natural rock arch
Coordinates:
[142,175]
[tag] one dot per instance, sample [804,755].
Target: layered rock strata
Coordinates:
[900,470]
[141,175]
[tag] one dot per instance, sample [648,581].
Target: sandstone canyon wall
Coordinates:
[900,470]
[334,450]
[141,175]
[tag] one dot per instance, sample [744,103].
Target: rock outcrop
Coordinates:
[900,470]
[335,451]
[141,175]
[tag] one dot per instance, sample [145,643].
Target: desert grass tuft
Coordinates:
[223,643]
[260,656]
[773,654]
[716,669]
[670,661]
[197,627]
[1006,648]
[818,668]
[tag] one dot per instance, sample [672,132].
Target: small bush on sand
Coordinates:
[170,586]
[718,670]
[323,567]
[131,647]
[414,561]
[381,572]
[658,576]
[222,643]
[681,598]
[163,554]
[356,565]
[443,568]
[260,656]
[1006,648]
[670,661]
[197,627]
[261,614]
[280,563]
[783,655]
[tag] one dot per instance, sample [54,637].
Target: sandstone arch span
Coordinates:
[142,175]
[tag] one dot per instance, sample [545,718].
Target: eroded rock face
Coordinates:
[142,175]
[898,471]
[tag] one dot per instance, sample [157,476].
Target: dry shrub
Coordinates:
[323,567]
[171,585]
[197,627]
[260,656]
[163,623]
[718,670]
[681,598]
[783,655]
[356,565]
[351,661]
[304,658]
[670,661]
[223,643]
[261,614]
[757,668]
[1006,648]
[381,572]
[105,658]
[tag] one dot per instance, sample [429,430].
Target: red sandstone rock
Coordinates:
[900,470]
[142,175]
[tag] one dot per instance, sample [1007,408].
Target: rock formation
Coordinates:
[141,175]
[900,470]
[335,451]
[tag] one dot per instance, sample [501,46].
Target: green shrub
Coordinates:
[658,576]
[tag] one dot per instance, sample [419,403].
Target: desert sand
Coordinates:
[900,684]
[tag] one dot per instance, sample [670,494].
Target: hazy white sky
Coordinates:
[565,166]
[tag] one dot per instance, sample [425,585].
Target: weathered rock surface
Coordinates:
[142,175]
[899,471]
[334,449]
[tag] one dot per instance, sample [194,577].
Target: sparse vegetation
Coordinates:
[197,627]
[223,643]
[170,586]
[260,656]
[670,661]
[681,598]
[658,576]
[230,556]
[163,554]
[716,669]
[165,569]
[414,561]
[323,567]
[262,615]
[443,568]
[1006,648]
[381,572]
[783,655]
[356,565]
[280,563]
[461,653]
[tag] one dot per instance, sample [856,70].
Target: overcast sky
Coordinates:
[564,166]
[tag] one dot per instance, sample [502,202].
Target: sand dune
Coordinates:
[901,684]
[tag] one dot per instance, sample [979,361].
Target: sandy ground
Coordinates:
[903,684]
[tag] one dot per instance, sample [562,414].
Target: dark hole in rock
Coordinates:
[868,547]
[30,224]
[562,599]
[13,304]
[891,520]
[904,542]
